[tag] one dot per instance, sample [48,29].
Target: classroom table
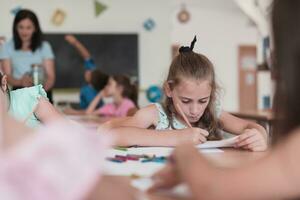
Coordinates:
[89,121]
[262,117]
[116,181]
[229,158]
[257,115]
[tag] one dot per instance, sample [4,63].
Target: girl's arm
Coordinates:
[252,135]
[48,65]
[85,54]
[134,130]
[276,176]
[143,118]
[93,105]
[46,112]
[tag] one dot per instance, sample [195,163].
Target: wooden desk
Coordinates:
[119,187]
[257,115]
[91,121]
[262,117]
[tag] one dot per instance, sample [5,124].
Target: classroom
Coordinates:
[156,100]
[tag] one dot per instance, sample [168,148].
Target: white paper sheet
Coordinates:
[218,144]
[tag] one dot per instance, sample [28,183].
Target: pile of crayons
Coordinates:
[143,158]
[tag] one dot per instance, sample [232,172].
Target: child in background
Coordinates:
[124,96]
[29,105]
[190,87]
[96,80]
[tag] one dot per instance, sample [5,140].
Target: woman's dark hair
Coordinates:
[286,32]
[37,36]
[99,79]
[129,90]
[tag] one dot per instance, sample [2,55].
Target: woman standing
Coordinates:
[27,48]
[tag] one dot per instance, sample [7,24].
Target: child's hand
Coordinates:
[165,178]
[252,139]
[194,135]
[71,39]
[185,162]
[168,177]
[104,93]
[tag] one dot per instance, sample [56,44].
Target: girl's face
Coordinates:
[25,29]
[192,96]
[112,87]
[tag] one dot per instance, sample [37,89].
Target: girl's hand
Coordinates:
[252,140]
[26,81]
[194,135]
[185,163]
[169,176]
[166,178]
[104,92]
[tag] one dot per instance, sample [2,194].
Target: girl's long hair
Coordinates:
[190,65]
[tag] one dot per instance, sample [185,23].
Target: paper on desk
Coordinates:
[217,144]
[138,168]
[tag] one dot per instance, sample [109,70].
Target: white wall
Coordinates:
[219,33]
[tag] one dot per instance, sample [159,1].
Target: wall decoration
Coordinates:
[15,10]
[266,99]
[247,73]
[183,15]
[58,17]
[99,8]
[154,94]
[249,63]
[149,24]
[250,79]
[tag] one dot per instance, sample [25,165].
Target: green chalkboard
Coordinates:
[112,53]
